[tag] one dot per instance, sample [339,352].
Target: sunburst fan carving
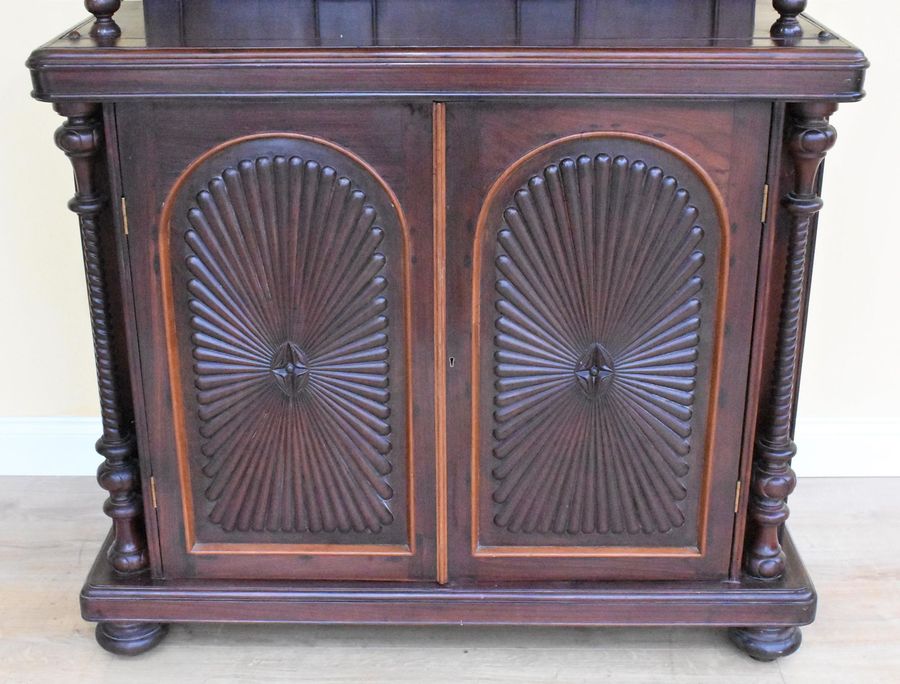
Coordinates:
[596,348]
[290,335]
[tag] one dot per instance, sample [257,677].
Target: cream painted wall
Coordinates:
[45,341]
[851,368]
[851,375]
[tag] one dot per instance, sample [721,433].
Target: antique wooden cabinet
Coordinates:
[448,311]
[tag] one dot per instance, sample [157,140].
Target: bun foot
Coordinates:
[766,643]
[130,638]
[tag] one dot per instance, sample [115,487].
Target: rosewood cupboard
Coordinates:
[422,312]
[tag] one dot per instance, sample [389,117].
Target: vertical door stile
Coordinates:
[441,361]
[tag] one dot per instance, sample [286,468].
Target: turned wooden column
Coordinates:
[81,138]
[810,136]
[787,26]
[105,27]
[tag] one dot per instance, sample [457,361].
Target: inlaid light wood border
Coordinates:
[193,547]
[481,230]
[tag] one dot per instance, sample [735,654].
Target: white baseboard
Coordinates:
[65,446]
[49,446]
[848,448]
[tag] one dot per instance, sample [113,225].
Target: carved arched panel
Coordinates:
[601,263]
[286,311]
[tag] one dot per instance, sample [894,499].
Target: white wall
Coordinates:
[849,418]
[849,422]
[45,346]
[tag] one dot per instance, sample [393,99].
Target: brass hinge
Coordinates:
[737,497]
[765,204]
[153,491]
[124,206]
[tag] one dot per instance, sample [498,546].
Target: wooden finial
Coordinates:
[104,28]
[787,25]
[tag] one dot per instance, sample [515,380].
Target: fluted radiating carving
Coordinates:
[809,138]
[287,293]
[596,348]
[81,139]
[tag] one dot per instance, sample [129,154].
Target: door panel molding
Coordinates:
[235,188]
[360,418]
[568,194]
[550,341]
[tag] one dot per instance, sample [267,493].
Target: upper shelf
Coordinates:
[448,47]
[446,23]
[443,23]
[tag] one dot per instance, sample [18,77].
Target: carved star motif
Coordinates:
[289,369]
[595,371]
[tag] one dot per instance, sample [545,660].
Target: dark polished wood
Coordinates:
[788,24]
[432,312]
[669,520]
[224,295]
[768,643]
[346,21]
[105,28]
[809,137]
[705,603]
[81,138]
[646,62]
[351,23]
[129,638]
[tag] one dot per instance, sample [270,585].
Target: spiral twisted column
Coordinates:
[810,136]
[81,137]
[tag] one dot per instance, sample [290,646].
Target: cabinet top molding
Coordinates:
[695,48]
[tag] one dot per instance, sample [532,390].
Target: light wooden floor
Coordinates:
[847,530]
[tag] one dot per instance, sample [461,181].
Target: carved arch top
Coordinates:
[284,269]
[603,256]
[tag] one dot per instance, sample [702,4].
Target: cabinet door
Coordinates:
[602,260]
[274,248]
